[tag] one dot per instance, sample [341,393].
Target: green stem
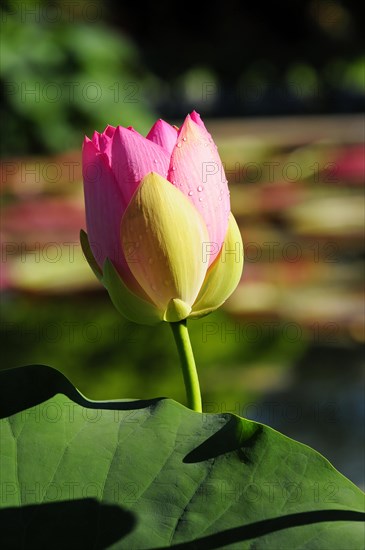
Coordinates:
[181,335]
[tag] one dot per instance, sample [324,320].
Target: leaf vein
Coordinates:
[202,481]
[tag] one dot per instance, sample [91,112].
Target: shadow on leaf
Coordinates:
[83,524]
[266,527]
[233,436]
[29,386]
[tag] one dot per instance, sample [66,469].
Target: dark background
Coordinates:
[253,45]
[236,59]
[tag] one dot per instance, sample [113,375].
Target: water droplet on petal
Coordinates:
[150,261]
[155,161]
[200,188]
[184,138]
[200,199]
[174,168]
[221,191]
[219,198]
[140,237]
[174,181]
[190,193]
[178,144]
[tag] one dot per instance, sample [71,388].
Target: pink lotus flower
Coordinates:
[158,220]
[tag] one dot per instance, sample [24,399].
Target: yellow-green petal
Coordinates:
[132,307]
[85,245]
[223,275]
[176,311]
[162,237]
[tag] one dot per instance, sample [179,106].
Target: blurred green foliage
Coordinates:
[63,80]
[107,357]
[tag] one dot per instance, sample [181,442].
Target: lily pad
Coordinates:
[135,474]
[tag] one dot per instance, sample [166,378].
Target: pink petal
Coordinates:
[95,139]
[132,157]
[103,141]
[195,117]
[109,131]
[197,170]
[131,129]
[163,134]
[104,210]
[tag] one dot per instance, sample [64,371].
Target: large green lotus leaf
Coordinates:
[80,474]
